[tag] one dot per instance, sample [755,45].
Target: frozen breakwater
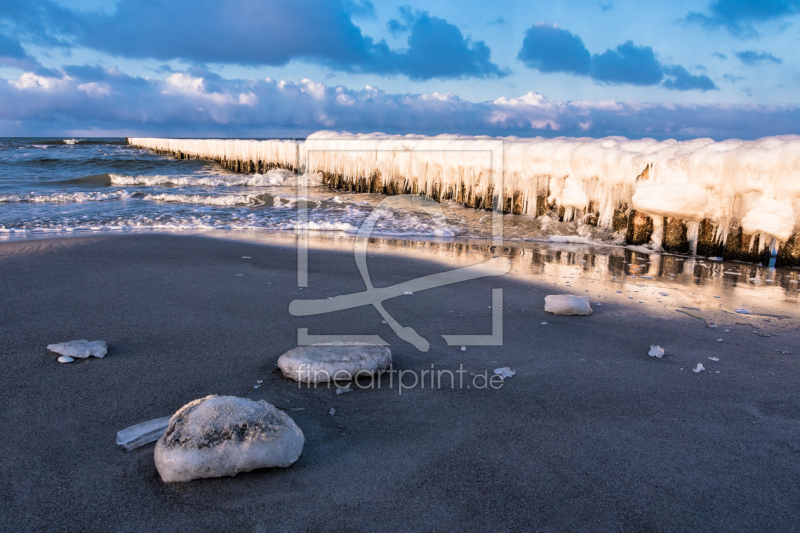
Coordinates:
[735,199]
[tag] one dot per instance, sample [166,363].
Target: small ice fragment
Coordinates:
[342,391]
[240,274]
[663,294]
[256,386]
[259,381]
[65,359]
[620,292]
[504,372]
[713,358]
[656,351]
[710,325]
[408,293]
[719,340]
[81,349]
[716,371]
[743,311]
[545,323]
[727,331]
[246,257]
[633,276]
[332,411]
[646,277]
[463,348]
[566,304]
[699,368]
[137,435]
[717,296]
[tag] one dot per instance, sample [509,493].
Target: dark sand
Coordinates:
[591,434]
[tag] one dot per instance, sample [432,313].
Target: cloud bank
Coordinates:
[244,32]
[741,17]
[548,48]
[89,100]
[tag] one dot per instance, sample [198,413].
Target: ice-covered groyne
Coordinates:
[734,199]
[234,154]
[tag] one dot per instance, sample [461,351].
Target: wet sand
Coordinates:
[590,434]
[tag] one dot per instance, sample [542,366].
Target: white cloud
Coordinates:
[95,89]
[31,81]
[186,103]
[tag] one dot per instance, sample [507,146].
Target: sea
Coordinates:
[59,186]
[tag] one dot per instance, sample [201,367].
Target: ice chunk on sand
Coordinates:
[137,435]
[224,435]
[65,359]
[743,311]
[80,349]
[656,351]
[321,363]
[566,304]
[699,368]
[504,372]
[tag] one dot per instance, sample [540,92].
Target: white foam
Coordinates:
[271,178]
[221,200]
[64,198]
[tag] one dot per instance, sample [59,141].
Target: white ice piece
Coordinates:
[699,368]
[656,351]
[65,359]
[743,311]
[138,435]
[321,363]
[224,435]
[566,304]
[80,349]
[504,372]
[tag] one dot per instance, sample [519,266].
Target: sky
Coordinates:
[286,68]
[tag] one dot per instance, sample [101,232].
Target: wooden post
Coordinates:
[675,236]
[640,228]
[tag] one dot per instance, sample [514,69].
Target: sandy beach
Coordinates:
[590,434]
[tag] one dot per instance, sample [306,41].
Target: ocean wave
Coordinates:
[200,199]
[63,198]
[273,177]
[92,179]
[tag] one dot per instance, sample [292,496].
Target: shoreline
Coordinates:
[591,432]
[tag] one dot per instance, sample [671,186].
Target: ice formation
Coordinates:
[566,304]
[712,189]
[656,351]
[504,372]
[223,435]
[138,435]
[322,363]
[80,349]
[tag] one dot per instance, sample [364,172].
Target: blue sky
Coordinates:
[261,68]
